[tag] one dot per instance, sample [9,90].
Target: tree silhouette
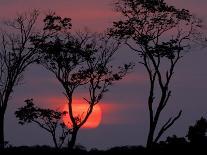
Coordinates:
[159,34]
[15,56]
[49,120]
[78,60]
[197,133]
[174,140]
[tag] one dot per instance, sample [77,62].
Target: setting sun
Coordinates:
[80,109]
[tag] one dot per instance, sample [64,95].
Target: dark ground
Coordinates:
[176,148]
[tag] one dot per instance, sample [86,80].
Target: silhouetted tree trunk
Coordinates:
[1,130]
[80,60]
[55,141]
[15,56]
[150,136]
[159,34]
[72,141]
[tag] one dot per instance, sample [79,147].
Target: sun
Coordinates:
[80,109]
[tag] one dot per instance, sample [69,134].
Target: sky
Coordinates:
[124,109]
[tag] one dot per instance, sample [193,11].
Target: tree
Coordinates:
[15,56]
[48,119]
[78,60]
[197,133]
[174,140]
[160,34]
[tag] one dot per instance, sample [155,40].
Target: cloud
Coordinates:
[134,78]
[113,113]
[96,16]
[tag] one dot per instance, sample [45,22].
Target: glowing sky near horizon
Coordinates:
[79,111]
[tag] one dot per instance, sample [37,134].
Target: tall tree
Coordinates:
[15,56]
[159,34]
[78,60]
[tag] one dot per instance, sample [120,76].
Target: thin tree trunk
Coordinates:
[72,141]
[150,138]
[54,140]
[2,114]
[1,130]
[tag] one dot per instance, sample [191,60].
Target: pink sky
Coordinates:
[95,14]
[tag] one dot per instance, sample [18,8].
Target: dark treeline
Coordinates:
[158,33]
[195,141]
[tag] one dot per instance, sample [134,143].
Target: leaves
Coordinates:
[76,60]
[29,113]
[15,53]
[151,23]
[159,34]
[197,133]
[56,23]
[47,119]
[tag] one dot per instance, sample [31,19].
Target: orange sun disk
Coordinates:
[80,109]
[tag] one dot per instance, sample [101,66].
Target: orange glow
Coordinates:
[80,109]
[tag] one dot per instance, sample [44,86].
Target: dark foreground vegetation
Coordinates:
[194,142]
[175,147]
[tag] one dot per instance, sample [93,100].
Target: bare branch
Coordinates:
[167,125]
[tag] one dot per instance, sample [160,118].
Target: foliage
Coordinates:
[197,133]
[160,34]
[76,60]
[47,119]
[15,56]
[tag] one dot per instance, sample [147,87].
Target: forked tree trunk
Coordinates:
[72,141]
